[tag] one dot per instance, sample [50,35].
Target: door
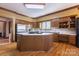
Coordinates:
[15,32]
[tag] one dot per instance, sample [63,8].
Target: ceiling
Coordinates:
[49,8]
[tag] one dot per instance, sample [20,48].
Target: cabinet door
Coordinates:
[64,19]
[72,39]
[35,24]
[55,37]
[55,23]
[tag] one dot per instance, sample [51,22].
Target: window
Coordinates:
[45,25]
[48,25]
[21,28]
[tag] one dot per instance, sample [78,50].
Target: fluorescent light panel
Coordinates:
[35,6]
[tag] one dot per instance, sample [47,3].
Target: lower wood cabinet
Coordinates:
[55,23]
[34,42]
[55,37]
[72,39]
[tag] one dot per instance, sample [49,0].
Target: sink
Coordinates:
[56,32]
[35,32]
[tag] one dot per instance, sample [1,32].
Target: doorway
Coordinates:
[5,30]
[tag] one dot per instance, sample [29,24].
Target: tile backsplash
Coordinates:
[57,30]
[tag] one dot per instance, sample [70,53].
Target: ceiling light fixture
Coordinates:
[34,5]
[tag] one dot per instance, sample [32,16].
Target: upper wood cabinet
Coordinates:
[72,22]
[64,19]
[55,23]
[67,22]
[35,24]
[64,22]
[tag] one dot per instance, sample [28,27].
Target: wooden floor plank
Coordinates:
[58,49]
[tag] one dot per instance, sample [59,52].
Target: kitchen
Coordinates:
[46,32]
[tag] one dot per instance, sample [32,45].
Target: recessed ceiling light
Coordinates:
[34,5]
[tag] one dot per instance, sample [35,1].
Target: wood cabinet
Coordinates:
[35,24]
[34,42]
[72,22]
[72,39]
[63,38]
[64,19]
[60,38]
[67,22]
[55,37]
[64,22]
[55,23]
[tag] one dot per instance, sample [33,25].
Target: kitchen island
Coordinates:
[34,42]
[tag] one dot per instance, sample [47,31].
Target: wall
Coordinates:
[6,20]
[7,29]
[73,11]
[1,27]
[13,15]
[78,13]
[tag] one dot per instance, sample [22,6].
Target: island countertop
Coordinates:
[67,33]
[35,34]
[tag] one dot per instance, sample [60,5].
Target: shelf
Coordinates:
[68,23]
[72,22]
[63,24]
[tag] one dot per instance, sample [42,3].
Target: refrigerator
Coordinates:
[77,32]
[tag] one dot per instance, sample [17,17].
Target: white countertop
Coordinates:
[67,33]
[62,31]
[36,34]
[48,32]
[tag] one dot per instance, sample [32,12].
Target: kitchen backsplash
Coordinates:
[57,30]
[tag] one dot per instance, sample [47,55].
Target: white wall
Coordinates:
[7,29]
[1,27]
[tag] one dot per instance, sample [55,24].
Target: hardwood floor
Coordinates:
[58,49]
[4,40]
